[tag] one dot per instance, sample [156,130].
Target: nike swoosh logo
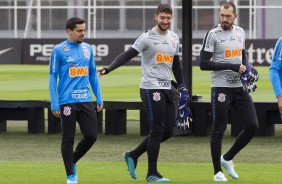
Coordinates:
[5,50]
[244,78]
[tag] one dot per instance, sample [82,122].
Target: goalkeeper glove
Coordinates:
[251,73]
[248,79]
[249,87]
[184,96]
[183,119]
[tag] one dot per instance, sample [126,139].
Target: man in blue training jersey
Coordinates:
[275,73]
[71,101]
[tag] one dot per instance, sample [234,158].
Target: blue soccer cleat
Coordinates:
[71,179]
[131,165]
[74,171]
[157,179]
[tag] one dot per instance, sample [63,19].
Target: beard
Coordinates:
[80,40]
[226,26]
[163,29]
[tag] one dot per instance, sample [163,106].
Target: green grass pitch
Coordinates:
[36,158]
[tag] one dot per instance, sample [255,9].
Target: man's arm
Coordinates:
[177,70]
[275,68]
[94,82]
[244,58]
[207,64]
[275,72]
[119,60]
[53,75]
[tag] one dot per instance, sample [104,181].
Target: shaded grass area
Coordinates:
[17,145]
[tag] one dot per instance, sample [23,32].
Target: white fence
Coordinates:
[128,18]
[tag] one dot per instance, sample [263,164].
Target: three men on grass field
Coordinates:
[232,80]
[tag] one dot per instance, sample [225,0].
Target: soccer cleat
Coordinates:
[131,165]
[157,179]
[219,177]
[74,171]
[71,179]
[228,165]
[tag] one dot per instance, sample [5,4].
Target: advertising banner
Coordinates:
[38,51]
[10,51]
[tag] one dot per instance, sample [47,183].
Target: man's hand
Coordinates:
[242,68]
[99,107]
[102,71]
[56,113]
[279,98]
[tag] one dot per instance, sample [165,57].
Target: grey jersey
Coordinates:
[158,51]
[226,47]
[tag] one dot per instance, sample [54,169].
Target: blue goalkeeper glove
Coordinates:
[250,75]
[249,87]
[184,118]
[184,96]
[248,79]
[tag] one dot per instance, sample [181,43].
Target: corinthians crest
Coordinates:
[221,97]
[67,111]
[86,53]
[156,96]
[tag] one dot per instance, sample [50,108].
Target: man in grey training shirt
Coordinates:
[159,47]
[224,54]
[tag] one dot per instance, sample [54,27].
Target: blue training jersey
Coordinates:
[275,70]
[74,64]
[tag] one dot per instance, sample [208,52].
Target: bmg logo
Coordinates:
[78,72]
[233,53]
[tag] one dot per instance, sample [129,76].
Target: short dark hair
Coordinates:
[166,8]
[227,5]
[71,23]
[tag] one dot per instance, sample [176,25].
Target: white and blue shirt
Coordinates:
[226,47]
[158,51]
